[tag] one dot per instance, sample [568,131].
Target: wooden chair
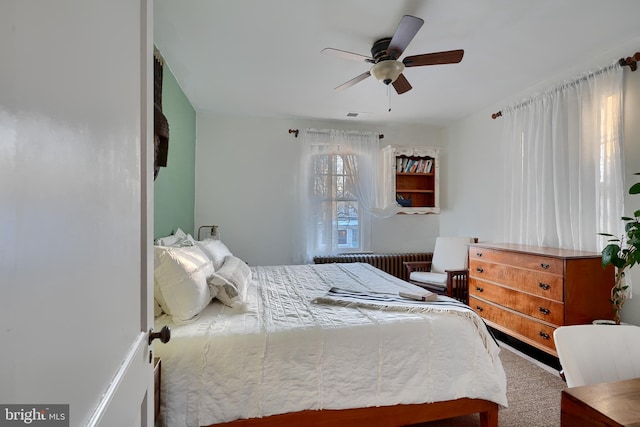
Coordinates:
[448,271]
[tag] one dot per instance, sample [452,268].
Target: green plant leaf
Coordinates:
[635,188]
[606,234]
[610,255]
[633,258]
[629,227]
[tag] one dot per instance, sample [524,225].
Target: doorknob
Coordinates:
[164,335]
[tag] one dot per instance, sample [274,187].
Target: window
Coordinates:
[610,192]
[338,193]
[608,134]
[563,164]
[334,201]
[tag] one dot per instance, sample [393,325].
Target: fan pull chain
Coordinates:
[389,96]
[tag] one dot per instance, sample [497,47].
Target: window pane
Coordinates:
[324,226]
[347,223]
[348,192]
[321,165]
[321,187]
[342,237]
[339,165]
[338,225]
[340,187]
[321,181]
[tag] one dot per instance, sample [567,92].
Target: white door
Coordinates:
[76,208]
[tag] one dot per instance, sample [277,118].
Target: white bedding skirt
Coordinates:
[288,352]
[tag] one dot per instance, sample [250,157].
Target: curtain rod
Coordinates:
[630,61]
[296,131]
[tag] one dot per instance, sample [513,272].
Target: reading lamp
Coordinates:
[212,229]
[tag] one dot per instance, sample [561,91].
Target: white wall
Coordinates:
[245,183]
[474,184]
[473,189]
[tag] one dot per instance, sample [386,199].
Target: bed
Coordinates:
[294,353]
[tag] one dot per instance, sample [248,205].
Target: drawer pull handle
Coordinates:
[545,266]
[544,311]
[479,308]
[479,269]
[544,286]
[479,289]
[479,254]
[544,336]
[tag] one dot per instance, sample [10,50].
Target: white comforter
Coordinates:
[288,353]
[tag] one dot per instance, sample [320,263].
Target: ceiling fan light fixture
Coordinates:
[387,71]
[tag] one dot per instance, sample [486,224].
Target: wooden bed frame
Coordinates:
[381,416]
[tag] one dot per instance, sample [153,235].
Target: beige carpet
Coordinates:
[533,394]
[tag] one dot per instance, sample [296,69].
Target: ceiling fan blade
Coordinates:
[436,58]
[354,80]
[401,85]
[406,31]
[347,55]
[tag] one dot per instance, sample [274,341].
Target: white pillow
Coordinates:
[157,310]
[187,240]
[179,239]
[172,239]
[215,250]
[231,282]
[180,278]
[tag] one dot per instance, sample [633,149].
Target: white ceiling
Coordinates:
[263,57]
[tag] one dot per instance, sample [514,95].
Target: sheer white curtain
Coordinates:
[360,168]
[564,168]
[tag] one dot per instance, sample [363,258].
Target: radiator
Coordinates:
[391,263]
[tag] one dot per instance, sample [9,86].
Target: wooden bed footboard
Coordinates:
[381,416]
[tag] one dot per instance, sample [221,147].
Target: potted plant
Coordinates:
[623,253]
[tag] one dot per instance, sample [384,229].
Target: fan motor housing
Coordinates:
[379,50]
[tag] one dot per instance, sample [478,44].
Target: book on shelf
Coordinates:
[429,165]
[403,164]
[410,164]
[402,201]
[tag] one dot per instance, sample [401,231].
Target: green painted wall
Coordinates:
[174,189]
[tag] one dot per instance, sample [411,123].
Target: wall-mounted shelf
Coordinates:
[415,178]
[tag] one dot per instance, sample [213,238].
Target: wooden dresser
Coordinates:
[528,291]
[157,372]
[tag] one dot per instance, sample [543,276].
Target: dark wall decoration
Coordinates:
[161,125]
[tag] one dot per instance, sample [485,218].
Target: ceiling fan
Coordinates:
[385,53]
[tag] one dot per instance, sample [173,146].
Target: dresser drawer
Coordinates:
[540,308]
[540,284]
[524,328]
[538,263]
